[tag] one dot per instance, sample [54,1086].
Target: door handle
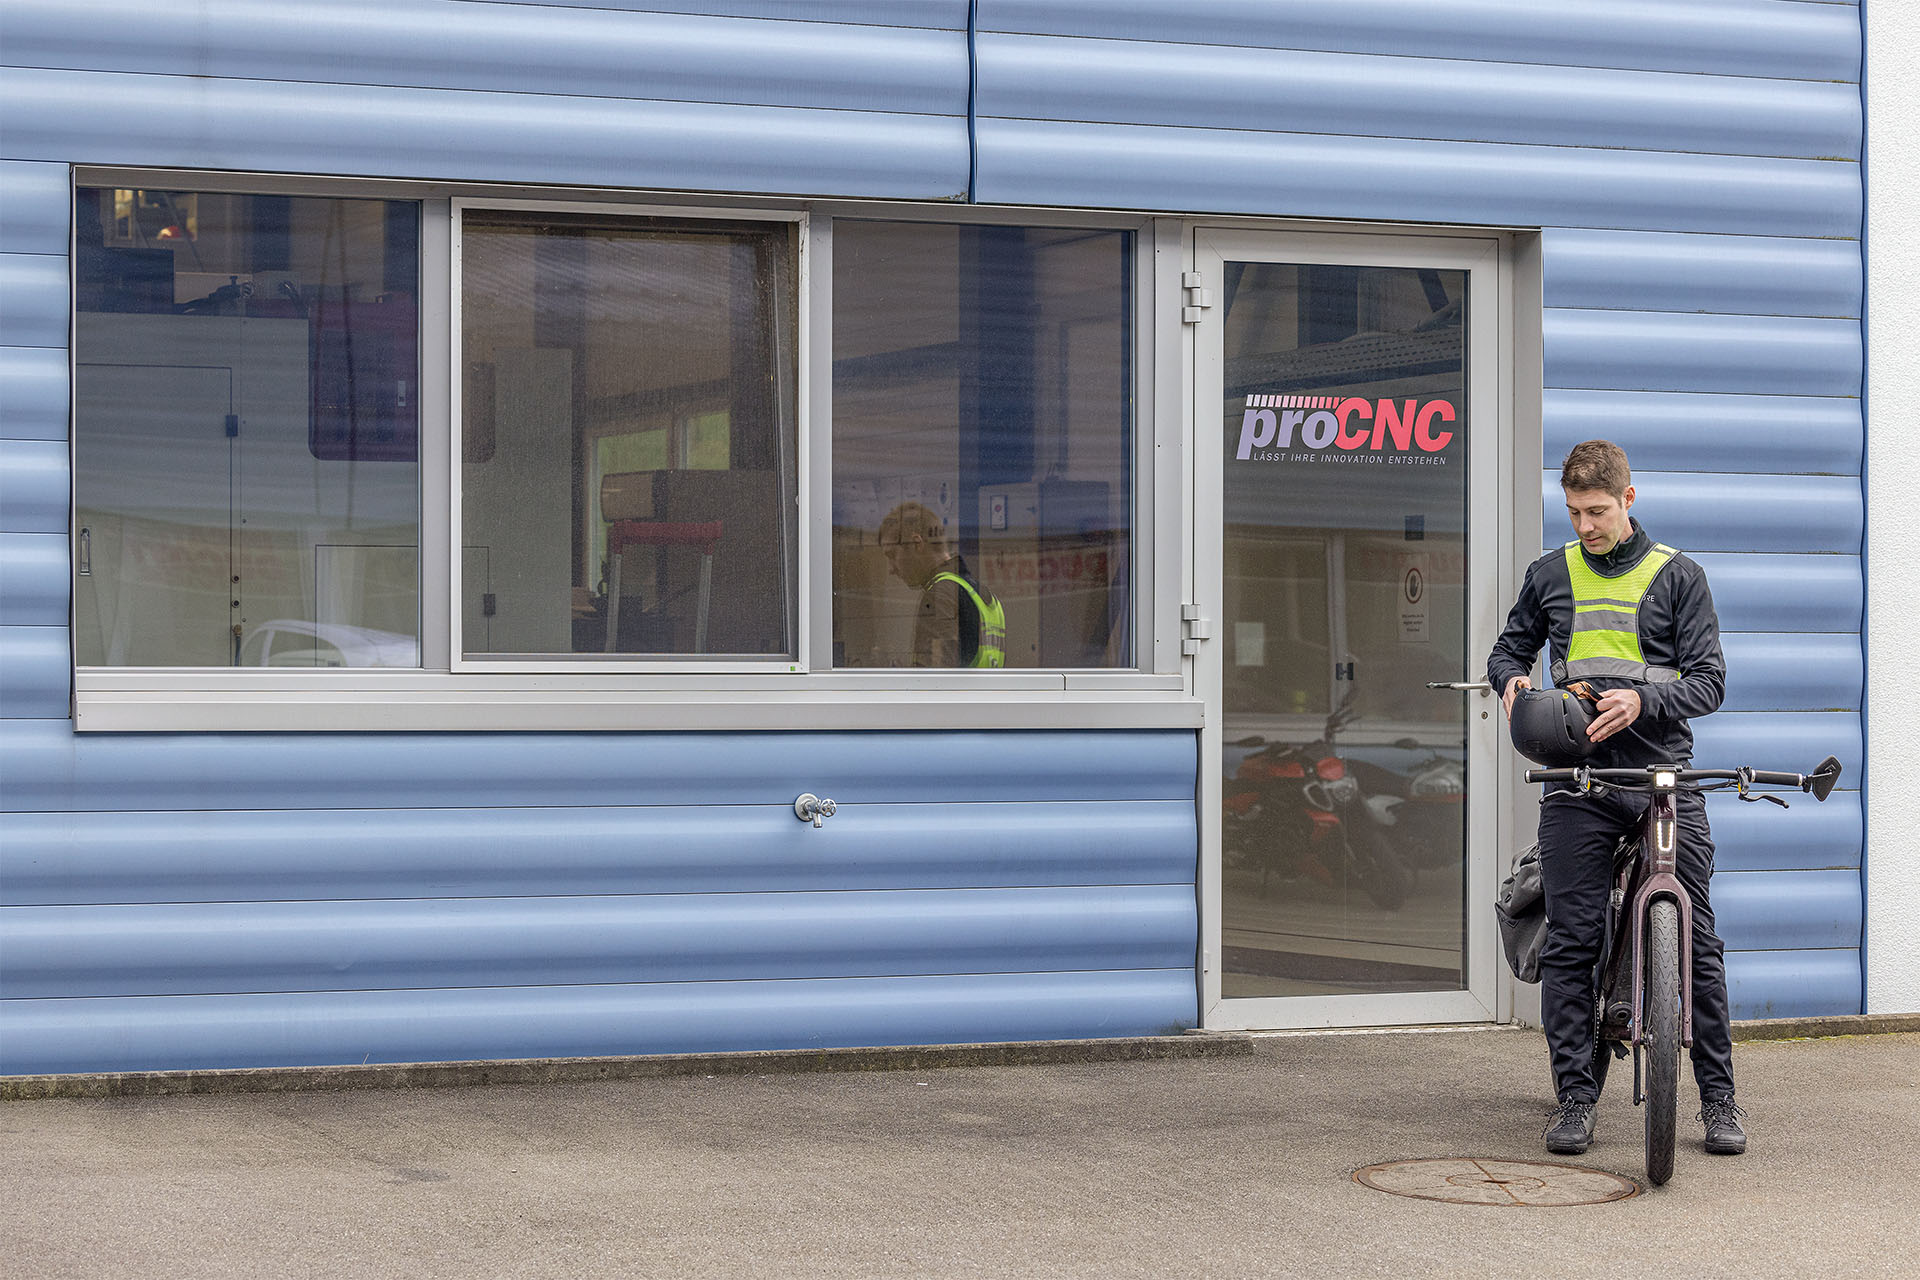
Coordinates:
[1464,686]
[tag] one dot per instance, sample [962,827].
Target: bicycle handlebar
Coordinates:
[1819,782]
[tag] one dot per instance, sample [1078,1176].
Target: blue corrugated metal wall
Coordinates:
[1695,168]
[209,901]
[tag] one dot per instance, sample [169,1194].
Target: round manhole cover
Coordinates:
[1528,1184]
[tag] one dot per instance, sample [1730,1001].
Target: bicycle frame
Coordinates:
[1649,872]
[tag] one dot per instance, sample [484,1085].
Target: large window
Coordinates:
[563,448]
[245,403]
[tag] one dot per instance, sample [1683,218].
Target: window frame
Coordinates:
[452,692]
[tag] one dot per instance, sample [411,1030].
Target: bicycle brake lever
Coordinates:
[1776,799]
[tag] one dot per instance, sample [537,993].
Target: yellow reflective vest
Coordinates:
[1606,621]
[992,651]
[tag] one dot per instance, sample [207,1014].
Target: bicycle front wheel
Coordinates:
[1661,1036]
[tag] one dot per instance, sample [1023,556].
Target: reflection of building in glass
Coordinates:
[1339,875]
[628,477]
[982,372]
[246,392]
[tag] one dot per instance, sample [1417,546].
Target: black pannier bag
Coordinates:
[1521,912]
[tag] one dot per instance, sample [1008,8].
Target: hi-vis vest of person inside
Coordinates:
[991,650]
[1606,621]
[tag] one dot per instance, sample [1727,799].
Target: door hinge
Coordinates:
[1197,299]
[1195,627]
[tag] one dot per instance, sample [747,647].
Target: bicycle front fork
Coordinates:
[1661,860]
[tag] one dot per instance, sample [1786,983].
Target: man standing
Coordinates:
[1635,621]
[960,623]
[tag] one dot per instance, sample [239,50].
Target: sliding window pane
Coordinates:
[627,406]
[982,416]
[246,394]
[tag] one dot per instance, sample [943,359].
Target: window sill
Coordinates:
[429,702]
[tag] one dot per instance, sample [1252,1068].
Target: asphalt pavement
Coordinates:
[1220,1166]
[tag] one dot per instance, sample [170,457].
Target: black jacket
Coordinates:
[1678,629]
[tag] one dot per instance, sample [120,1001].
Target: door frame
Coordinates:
[1487,257]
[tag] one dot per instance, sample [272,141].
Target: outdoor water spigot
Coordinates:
[811,808]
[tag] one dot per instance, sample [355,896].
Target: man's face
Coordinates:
[909,558]
[1599,519]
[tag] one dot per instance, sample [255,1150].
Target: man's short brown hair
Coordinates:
[1596,464]
[908,519]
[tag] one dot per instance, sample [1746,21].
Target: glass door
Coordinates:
[1346,436]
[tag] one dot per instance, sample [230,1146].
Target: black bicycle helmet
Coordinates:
[1549,727]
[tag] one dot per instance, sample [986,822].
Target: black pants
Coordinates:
[1577,837]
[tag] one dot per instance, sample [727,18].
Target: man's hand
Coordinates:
[1514,686]
[1616,709]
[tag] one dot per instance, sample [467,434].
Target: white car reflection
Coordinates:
[293,642]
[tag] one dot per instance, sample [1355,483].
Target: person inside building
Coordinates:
[1648,644]
[960,624]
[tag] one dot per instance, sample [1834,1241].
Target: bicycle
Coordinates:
[1654,949]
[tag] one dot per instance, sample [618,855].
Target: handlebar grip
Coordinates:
[1767,778]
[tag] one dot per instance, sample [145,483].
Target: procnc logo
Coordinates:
[1346,423]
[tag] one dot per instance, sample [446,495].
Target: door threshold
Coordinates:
[1274,1033]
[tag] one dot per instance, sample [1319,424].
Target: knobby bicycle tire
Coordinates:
[1662,1036]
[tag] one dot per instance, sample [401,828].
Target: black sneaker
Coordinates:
[1725,1137]
[1569,1129]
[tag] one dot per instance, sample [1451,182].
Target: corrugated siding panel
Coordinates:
[298,855]
[1793,984]
[33,486]
[1289,91]
[33,580]
[1720,37]
[1743,275]
[1669,351]
[33,298]
[1808,836]
[219,948]
[88,118]
[184,1032]
[1773,671]
[35,213]
[1787,741]
[49,769]
[1787,910]
[35,674]
[33,392]
[1326,176]
[1705,511]
[507,48]
[1688,431]
[949,15]
[1785,592]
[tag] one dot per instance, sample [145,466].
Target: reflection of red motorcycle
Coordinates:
[1298,811]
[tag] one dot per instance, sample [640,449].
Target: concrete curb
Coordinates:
[443,1075]
[440,1075]
[1851,1024]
